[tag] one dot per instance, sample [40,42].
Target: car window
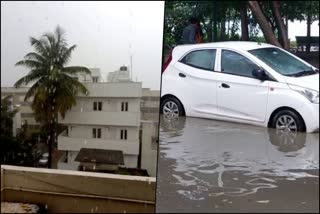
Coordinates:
[234,63]
[280,61]
[203,59]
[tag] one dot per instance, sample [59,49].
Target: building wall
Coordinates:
[131,161]
[107,132]
[111,119]
[85,104]
[149,147]
[150,103]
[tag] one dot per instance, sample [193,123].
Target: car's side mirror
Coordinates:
[259,74]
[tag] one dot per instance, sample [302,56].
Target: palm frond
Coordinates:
[66,54]
[35,56]
[32,91]
[78,86]
[40,46]
[29,63]
[32,76]
[75,70]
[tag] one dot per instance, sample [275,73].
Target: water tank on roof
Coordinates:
[123,68]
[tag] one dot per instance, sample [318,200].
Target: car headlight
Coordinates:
[311,95]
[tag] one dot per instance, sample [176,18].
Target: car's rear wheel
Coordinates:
[289,121]
[171,107]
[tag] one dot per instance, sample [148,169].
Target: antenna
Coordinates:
[130,66]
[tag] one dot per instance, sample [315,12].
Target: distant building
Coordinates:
[121,75]
[25,115]
[108,118]
[150,102]
[149,146]
[94,77]
[118,115]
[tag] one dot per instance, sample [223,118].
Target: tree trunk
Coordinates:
[215,31]
[223,29]
[280,24]
[209,38]
[287,28]
[264,24]
[51,129]
[308,33]
[244,22]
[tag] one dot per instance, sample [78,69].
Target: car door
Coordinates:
[241,96]
[196,70]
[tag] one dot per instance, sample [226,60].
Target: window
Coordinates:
[94,79]
[124,106]
[280,61]
[97,106]
[123,134]
[96,133]
[234,63]
[203,59]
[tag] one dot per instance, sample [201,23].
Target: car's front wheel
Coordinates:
[171,107]
[288,120]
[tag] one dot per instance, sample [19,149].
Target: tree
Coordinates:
[13,150]
[280,24]
[54,89]
[7,114]
[244,22]
[263,22]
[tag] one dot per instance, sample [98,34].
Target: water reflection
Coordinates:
[209,158]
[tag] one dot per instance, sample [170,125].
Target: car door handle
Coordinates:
[225,85]
[182,75]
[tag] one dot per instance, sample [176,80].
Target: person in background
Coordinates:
[189,32]
[199,33]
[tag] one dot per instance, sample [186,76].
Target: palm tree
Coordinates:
[54,87]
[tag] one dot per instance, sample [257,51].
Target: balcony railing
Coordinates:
[64,191]
[75,144]
[102,118]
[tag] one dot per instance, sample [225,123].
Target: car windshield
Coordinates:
[282,62]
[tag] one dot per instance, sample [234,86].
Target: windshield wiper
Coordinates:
[304,73]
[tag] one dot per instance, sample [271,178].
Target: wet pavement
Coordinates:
[211,166]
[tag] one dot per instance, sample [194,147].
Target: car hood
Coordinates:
[311,81]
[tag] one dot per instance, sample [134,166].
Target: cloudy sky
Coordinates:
[102,31]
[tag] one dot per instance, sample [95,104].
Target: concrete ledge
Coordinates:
[75,191]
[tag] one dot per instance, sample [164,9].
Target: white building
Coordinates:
[116,115]
[25,114]
[121,75]
[108,118]
[149,146]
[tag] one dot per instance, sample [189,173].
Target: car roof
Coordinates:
[236,45]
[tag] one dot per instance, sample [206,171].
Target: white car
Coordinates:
[245,82]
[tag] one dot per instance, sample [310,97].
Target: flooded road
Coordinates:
[212,166]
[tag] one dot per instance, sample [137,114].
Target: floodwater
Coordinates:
[212,166]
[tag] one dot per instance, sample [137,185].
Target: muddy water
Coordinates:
[212,166]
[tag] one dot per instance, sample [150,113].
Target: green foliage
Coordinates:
[14,150]
[54,89]
[177,14]
[7,114]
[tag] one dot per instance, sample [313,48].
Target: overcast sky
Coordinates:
[102,31]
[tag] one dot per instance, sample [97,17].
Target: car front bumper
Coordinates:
[310,115]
